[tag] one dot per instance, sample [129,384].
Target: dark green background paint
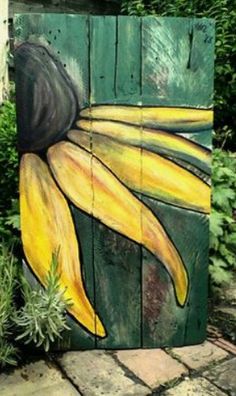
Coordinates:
[144,61]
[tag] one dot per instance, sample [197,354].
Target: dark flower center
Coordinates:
[45,97]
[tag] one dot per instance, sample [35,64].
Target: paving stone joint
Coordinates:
[201,370]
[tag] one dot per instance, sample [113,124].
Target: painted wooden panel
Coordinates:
[116,127]
[103,59]
[128,47]
[177,59]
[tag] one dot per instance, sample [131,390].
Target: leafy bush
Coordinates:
[8,284]
[40,320]
[224,13]
[8,155]
[9,211]
[223,219]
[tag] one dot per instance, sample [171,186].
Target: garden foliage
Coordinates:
[8,287]
[40,316]
[9,212]
[223,218]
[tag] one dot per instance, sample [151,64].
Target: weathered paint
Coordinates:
[130,61]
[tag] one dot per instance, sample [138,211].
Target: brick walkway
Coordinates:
[208,369]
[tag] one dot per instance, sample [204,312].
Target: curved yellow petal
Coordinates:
[47,227]
[161,178]
[169,118]
[95,190]
[157,141]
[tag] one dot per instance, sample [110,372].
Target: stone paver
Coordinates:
[36,379]
[153,366]
[97,374]
[228,346]
[230,311]
[195,387]
[224,375]
[198,356]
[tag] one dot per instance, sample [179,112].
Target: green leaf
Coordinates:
[216,223]
[222,196]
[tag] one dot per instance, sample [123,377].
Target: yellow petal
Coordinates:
[157,141]
[170,118]
[161,178]
[115,206]
[47,227]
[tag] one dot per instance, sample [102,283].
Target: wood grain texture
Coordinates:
[110,81]
[178,61]
[145,61]
[177,71]
[103,37]
[128,65]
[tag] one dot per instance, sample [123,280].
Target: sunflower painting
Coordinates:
[114,123]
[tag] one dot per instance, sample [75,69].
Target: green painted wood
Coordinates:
[67,37]
[117,288]
[135,61]
[204,138]
[177,71]
[121,314]
[103,36]
[178,61]
[128,67]
[175,325]
[84,230]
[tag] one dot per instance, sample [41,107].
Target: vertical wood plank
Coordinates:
[177,70]
[103,58]
[128,74]
[66,37]
[117,260]
[117,288]
[178,61]
[165,323]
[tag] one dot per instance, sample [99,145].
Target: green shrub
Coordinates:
[224,13]
[8,155]
[8,286]
[41,318]
[223,219]
[9,211]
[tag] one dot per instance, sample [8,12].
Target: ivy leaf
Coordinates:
[216,223]
[222,196]
[223,199]
[220,275]
[218,271]
[230,240]
[13,221]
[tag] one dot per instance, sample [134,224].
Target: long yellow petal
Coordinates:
[169,118]
[157,141]
[114,205]
[161,178]
[47,226]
